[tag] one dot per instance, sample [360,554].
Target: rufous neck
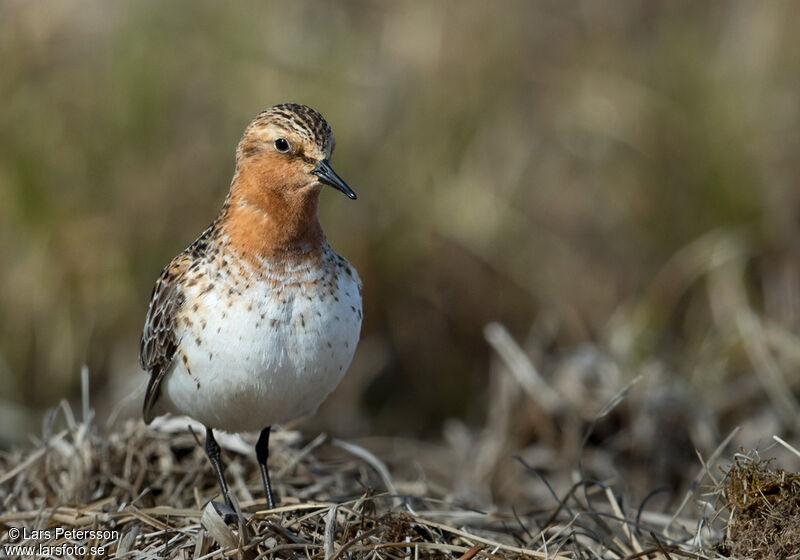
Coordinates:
[266,221]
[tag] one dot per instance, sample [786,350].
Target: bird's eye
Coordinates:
[282,145]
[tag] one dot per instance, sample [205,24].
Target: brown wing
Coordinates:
[159,343]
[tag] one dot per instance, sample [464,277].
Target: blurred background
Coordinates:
[613,189]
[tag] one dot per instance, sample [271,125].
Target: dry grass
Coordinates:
[764,510]
[338,500]
[587,454]
[564,466]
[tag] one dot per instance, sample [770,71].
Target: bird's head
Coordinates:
[282,162]
[287,149]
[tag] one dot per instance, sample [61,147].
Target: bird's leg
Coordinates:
[215,456]
[262,454]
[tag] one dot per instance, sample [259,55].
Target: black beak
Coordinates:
[327,175]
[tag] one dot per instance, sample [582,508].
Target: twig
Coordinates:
[522,368]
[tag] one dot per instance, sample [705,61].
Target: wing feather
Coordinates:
[159,342]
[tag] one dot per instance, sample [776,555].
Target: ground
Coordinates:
[148,490]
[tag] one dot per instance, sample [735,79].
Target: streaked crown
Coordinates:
[298,119]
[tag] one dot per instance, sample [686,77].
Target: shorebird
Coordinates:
[256,322]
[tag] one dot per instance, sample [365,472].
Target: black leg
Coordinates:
[262,454]
[214,455]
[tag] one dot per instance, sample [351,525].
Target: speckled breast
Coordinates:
[263,344]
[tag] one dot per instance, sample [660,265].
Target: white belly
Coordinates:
[270,353]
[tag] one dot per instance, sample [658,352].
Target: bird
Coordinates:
[256,322]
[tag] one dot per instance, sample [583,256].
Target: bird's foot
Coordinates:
[226,512]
